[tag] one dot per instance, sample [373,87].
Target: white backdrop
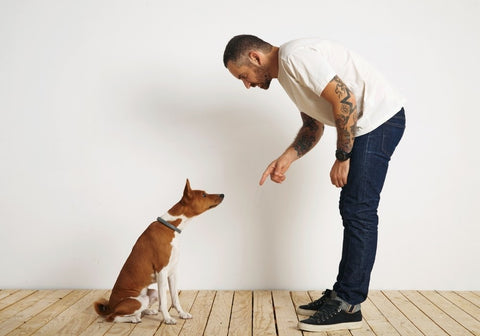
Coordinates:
[108,106]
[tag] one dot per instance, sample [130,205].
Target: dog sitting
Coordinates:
[154,259]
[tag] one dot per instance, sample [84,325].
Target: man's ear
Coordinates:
[255,57]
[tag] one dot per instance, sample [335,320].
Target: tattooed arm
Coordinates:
[345,112]
[307,137]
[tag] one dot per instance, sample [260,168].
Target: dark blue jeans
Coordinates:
[359,200]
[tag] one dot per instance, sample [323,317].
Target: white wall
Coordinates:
[108,106]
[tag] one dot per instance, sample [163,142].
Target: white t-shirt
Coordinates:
[306,66]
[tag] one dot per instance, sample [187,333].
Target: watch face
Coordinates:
[341,155]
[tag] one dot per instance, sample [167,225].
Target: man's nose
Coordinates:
[246,83]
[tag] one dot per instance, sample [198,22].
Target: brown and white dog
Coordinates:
[154,258]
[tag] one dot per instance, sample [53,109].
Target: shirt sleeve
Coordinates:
[309,68]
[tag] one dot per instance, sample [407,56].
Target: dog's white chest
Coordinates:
[170,267]
[173,261]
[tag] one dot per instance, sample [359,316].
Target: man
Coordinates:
[332,86]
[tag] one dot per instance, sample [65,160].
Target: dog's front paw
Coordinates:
[150,312]
[185,315]
[170,320]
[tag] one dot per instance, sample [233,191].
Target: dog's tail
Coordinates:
[102,307]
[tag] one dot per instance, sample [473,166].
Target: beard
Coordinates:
[265,78]
[266,84]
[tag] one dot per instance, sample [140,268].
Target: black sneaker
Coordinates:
[331,317]
[312,307]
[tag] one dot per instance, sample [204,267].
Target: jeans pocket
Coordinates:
[391,138]
[392,132]
[398,120]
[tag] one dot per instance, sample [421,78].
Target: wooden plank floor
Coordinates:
[240,313]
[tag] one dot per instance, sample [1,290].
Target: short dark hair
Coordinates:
[239,45]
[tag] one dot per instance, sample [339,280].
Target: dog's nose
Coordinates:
[222,196]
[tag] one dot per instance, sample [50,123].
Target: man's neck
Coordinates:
[273,62]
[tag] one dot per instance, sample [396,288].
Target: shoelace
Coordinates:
[318,302]
[328,310]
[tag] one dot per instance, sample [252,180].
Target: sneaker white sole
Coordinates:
[329,327]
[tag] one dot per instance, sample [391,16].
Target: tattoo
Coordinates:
[308,135]
[309,122]
[303,144]
[346,119]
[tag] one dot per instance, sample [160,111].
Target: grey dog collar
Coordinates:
[167,224]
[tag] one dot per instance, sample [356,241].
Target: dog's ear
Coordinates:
[187,192]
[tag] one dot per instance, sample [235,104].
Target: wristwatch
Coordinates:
[342,155]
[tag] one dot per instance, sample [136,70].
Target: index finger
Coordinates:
[267,172]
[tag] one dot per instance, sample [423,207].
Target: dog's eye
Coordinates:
[204,195]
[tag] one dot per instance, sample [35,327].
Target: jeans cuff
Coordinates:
[345,306]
